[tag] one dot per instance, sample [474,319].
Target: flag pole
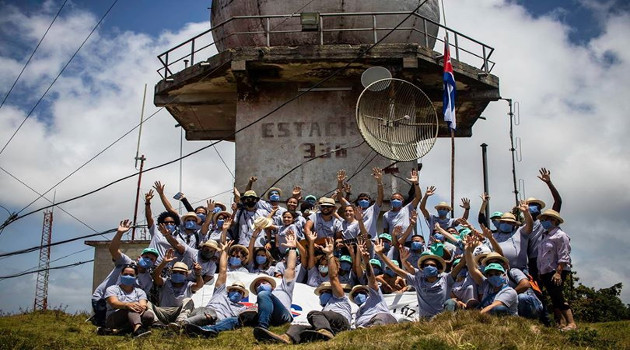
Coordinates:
[452,172]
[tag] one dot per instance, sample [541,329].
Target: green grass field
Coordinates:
[462,330]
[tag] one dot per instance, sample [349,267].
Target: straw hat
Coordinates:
[443,205]
[326,201]
[239,247]
[323,286]
[356,289]
[254,284]
[532,200]
[274,189]
[479,253]
[262,222]
[211,243]
[239,286]
[220,205]
[249,193]
[193,215]
[551,214]
[437,258]
[509,217]
[495,256]
[180,266]
[215,217]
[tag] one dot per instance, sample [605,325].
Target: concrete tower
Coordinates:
[270,50]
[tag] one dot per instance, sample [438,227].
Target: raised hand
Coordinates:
[159,188]
[169,256]
[297,192]
[485,197]
[465,203]
[397,231]
[341,175]
[379,247]
[358,213]
[413,218]
[124,225]
[210,205]
[486,231]
[163,230]
[256,233]
[328,246]
[148,196]
[545,175]
[413,178]
[522,206]
[253,179]
[312,236]
[378,174]
[365,253]
[226,224]
[224,247]
[291,242]
[404,254]
[430,191]
[197,268]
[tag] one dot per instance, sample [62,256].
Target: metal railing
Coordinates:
[460,43]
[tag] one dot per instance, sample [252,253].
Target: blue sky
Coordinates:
[569,68]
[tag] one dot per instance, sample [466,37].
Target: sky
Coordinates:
[566,63]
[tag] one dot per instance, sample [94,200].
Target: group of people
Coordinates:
[333,245]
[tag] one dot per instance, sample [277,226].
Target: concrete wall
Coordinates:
[310,126]
[103,263]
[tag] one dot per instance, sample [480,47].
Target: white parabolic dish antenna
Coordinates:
[397,119]
[373,74]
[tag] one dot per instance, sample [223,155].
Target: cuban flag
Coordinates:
[449,89]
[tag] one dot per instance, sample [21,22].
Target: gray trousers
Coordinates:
[328,320]
[127,319]
[168,314]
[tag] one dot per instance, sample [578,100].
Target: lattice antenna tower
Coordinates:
[41,286]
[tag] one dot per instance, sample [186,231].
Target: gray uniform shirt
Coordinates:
[431,296]
[144,280]
[340,306]
[507,295]
[374,304]
[222,305]
[514,246]
[136,295]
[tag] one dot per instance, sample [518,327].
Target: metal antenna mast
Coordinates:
[41,286]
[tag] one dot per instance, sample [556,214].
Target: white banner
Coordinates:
[403,306]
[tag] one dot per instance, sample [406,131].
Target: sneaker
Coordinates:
[265,335]
[194,330]
[175,326]
[319,335]
[141,332]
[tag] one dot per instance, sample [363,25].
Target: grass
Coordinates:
[462,330]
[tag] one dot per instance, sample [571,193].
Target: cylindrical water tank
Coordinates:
[226,36]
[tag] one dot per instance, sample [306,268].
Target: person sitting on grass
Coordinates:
[497,297]
[335,316]
[224,306]
[464,290]
[127,305]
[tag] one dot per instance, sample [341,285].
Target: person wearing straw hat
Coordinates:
[433,287]
[144,280]
[205,256]
[274,195]
[335,316]
[513,239]
[373,310]
[274,304]
[554,265]
[208,224]
[259,259]
[239,256]
[218,221]
[370,209]
[243,225]
[399,215]
[317,266]
[443,209]
[224,305]
[323,223]
[190,232]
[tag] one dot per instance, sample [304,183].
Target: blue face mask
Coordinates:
[190,225]
[261,259]
[170,227]
[439,237]
[178,278]
[505,227]
[216,210]
[390,272]
[546,224]
[263,287]
[496,281]
[234,296]
[360,298]
[345,266]
[323,268]
[396,203]
[363,203]
[430,271]
[324,298]
[416,246]
[202,217]
[220,223]
[443,212]
[534,210]
[274,198]
[496,223]
[234,261]
[145,262]
[128,280]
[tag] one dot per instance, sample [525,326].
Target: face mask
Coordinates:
[250,203]
[416,246]
[546,224]
[534,210]
[396,203]
[324,298]
[202,217]
[390,273]
[323,268]
[190,225]
[346,266]
[206,255]
[216,210]
[430,271]
[377,270]
[260,259]
[170,227]
[360,298]
[220,223]
[234,296]
[386,246]
[234,261]
[439,237]
[178,278]
[263,287]
[363,203]
[145,262]
[496,281]
[442,212]
[274,198]
[495,223]
[311,201]
[505,227]
[127,280]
